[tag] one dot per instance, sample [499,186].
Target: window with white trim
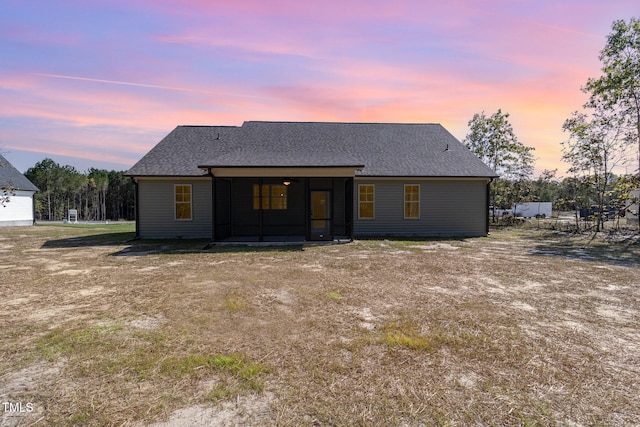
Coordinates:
[183,201]
[411,201]
[366,201]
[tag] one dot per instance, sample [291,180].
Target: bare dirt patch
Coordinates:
[244,410]
[524,327]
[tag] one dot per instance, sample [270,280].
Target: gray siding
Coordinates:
[447,208]
[156,210]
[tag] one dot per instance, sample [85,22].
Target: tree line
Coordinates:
[97,195]
[603,137]
[568,193]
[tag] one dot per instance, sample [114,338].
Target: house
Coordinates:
[17,195]
[313,181]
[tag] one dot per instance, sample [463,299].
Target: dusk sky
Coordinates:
[98,83]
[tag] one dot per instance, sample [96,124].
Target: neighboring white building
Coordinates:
[19,209]
[533,209]
[632,211]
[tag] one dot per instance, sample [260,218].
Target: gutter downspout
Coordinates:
[213,205]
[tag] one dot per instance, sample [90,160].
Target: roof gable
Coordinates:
[11,177]
[383,149]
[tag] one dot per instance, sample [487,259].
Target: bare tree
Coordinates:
[595,147]
[492,139]
[618,89]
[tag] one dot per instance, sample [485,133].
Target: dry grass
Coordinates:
[524,327]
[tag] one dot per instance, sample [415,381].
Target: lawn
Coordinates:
[524,327]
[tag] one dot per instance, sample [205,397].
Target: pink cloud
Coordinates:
[250,44]
[48,150]
[337,10]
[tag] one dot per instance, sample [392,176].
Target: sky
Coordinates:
[98,83]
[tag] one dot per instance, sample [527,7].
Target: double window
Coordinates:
[273,196]
[183,201]
[367,197]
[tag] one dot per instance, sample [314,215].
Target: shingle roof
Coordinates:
[11,177]
[384,149]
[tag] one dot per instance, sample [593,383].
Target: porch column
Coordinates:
[260,213]
[348,209]
[307,210]
[214,183]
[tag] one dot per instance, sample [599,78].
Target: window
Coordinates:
[256,196]
[273,196]
[366,201]
[412,201]
[183,201]
[278,197]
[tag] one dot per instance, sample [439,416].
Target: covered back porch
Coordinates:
[282,204]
